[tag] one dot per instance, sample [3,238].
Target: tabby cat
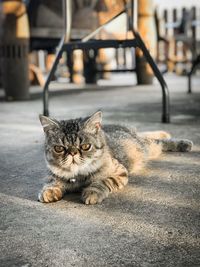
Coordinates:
[82,155]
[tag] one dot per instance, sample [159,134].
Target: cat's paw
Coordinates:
[50,194]
[90,197]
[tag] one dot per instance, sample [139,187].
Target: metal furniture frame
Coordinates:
[196,56]
[89,43]
[195,64]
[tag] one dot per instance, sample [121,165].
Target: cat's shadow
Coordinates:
[73,197]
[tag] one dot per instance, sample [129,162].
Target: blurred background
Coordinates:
[30,31]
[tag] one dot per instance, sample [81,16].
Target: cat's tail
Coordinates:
[168,143]
[161,141]
[175,145]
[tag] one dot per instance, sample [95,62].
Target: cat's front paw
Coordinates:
[50,194]
[91,197]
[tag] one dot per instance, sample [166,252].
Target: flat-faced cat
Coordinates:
[82,155]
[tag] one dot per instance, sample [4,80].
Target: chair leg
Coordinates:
[194,66]
[165,91]
[190,83]
[49,78]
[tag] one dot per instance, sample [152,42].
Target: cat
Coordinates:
[82,155]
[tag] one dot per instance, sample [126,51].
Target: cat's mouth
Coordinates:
[73,160]
[70,161]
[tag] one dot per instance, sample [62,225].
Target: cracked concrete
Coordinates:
[153,222]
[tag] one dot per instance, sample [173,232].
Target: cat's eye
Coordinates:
[85,147]
[59,149]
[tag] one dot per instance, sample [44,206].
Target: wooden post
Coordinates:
[147,29]
[14,50]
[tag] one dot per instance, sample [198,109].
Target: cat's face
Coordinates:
[73,146]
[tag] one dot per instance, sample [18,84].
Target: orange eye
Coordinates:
[59,149]
[85,147]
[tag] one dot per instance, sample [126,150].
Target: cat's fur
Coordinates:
[115,153]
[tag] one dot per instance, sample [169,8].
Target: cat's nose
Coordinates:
[73,151]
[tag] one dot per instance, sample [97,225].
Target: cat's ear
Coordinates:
[48,123]
[93,124]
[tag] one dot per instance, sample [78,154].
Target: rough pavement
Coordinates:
[153,222]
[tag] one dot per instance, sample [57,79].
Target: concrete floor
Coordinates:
[153,222]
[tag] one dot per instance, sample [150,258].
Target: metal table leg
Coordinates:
[194,66]
[67,8]
[139,43]
[49,78]
[165,91]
